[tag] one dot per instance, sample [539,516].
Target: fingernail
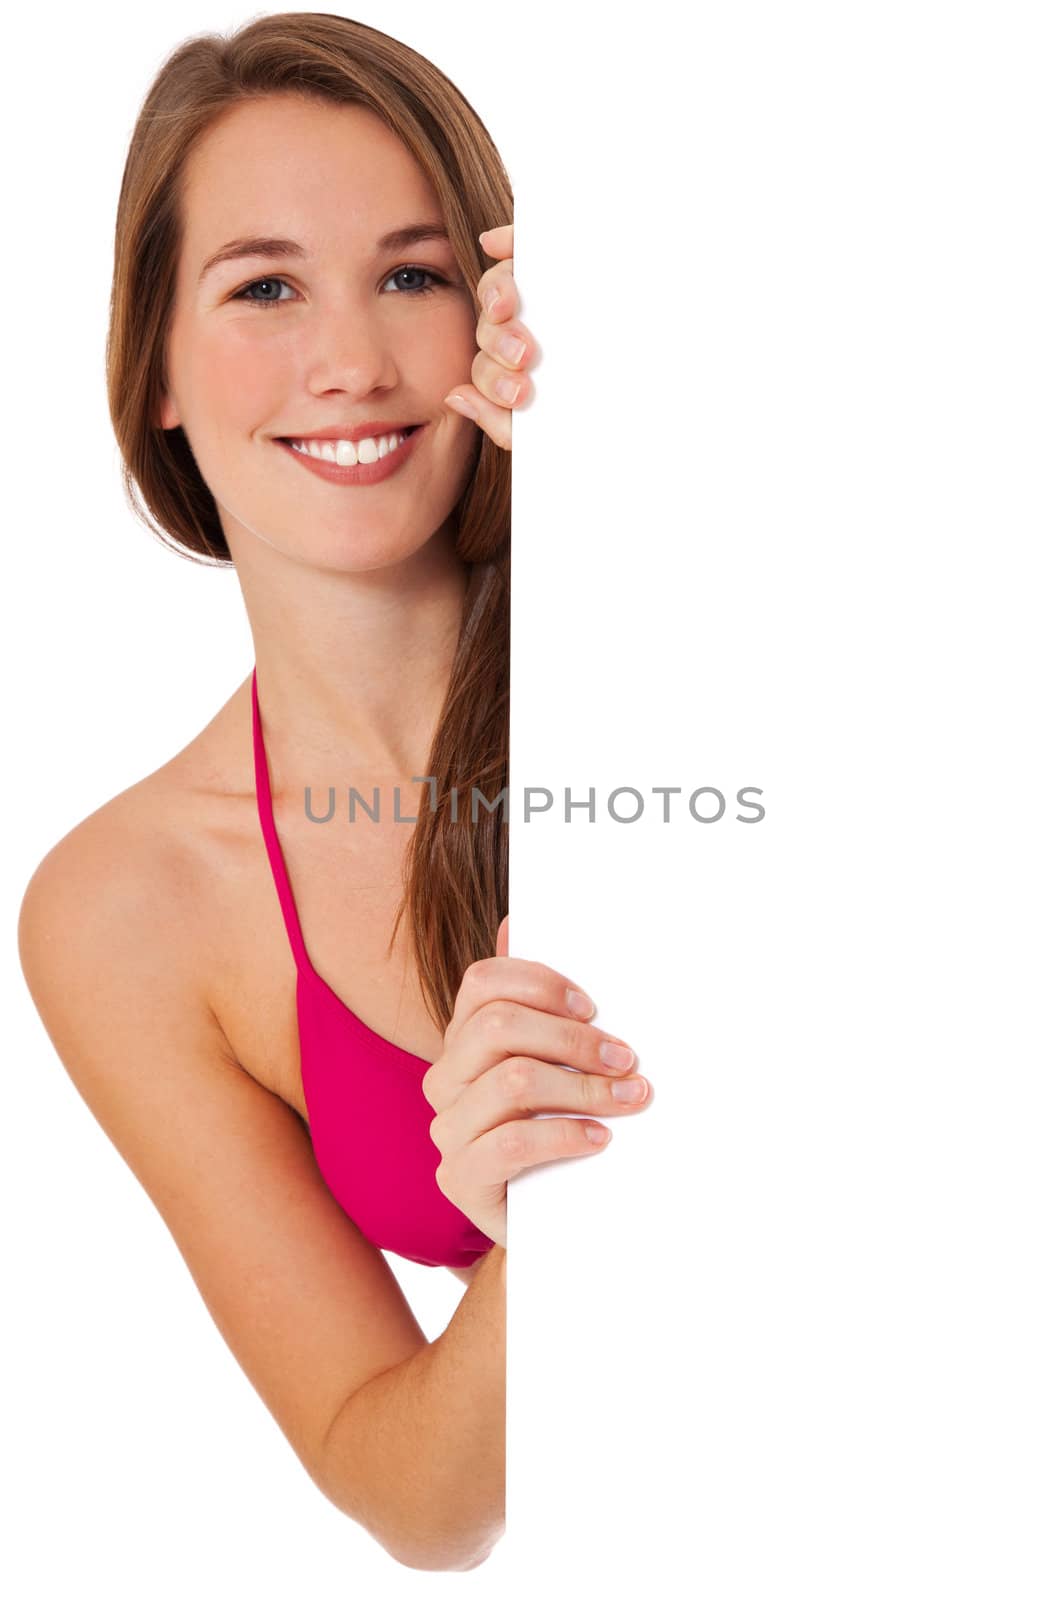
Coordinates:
[459,403]
[507,389]
[619,1056]
[491,298]
[512,348]
[578,1003]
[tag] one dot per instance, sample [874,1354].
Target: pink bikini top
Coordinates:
[367,1113]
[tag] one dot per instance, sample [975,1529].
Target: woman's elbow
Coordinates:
[423,1561]
[450,1554]
[432,1552]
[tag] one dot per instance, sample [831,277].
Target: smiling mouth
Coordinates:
[349,452]
[338,461]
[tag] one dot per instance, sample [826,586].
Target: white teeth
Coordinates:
[345,452]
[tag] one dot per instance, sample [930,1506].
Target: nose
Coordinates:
[350,354]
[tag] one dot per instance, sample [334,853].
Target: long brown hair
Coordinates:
[456,872]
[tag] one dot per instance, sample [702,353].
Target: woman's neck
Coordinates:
[355,665]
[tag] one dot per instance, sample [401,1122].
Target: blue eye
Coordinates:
[425,288]
[245,294]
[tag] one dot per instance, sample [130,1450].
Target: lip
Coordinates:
[361,474]
[363,430]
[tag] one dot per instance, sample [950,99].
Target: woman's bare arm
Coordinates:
[466,1274]
[433,1429]
[108,938]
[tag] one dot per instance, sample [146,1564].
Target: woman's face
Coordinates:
[276,346]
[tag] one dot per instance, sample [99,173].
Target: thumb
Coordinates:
[501,947]
[465,399]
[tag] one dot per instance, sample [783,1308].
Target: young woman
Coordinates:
[298,273]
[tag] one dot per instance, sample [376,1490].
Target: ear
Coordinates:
[168,417]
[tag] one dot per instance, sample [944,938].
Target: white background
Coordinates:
[786,515]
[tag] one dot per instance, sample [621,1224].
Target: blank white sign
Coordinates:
[786,517]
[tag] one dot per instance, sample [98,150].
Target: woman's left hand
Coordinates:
[498,362]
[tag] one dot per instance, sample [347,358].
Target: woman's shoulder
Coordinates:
[159,903]
[151,856]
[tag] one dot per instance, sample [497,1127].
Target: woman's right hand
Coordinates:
[510,1026]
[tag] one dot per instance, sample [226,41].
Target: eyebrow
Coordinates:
[275,249]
